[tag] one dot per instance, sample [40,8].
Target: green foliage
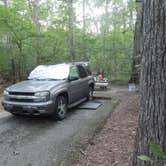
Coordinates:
[109,48]
[157,151]
[144,158]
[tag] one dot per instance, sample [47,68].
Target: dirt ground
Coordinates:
[113,146]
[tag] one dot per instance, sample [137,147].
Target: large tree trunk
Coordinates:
[152,116]
[135,76]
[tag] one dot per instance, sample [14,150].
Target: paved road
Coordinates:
[43,142]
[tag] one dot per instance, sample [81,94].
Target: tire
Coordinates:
[90,93]
[15,114]
[60,108]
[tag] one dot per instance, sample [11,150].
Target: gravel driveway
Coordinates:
[26,141]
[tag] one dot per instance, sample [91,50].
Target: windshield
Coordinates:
[54,72]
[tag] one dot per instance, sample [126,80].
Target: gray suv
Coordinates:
[50,90]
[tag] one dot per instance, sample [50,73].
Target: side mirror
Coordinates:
[72,78]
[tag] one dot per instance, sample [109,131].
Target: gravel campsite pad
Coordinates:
[113,146]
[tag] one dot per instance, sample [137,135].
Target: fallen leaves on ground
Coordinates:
[113,146]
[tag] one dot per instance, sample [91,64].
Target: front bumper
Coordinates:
[43,108]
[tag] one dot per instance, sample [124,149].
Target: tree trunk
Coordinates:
[152,116]
[84,29]
[11,56]
[37,30]
[135,76]
[13,70]
[105,28]
[71,30]
[12,60]
[20,62]
[5,3]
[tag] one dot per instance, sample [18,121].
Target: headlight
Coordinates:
[5,93]
[42,96]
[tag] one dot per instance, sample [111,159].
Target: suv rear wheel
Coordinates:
[60,108]
[90,93]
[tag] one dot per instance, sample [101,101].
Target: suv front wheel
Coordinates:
[60,108]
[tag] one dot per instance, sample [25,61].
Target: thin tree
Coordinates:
[84,28]
[10,47]
[37,29]
[105,26]
[105,30]
[152,116]
[71,30]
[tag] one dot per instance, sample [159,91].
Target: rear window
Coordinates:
[82,71]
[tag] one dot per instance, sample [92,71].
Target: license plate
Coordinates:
[17,108]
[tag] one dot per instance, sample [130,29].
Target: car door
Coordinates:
[74,85]
[83,81]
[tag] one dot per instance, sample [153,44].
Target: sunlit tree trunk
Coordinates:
[152,116]
[71,30]
[131,14]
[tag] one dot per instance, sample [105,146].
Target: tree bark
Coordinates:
[71,30]
[10,47]
[152,116]
[37,30]
[135,76]
[84,29]
[5,3]
[105,28]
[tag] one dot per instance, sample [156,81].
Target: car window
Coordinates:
[88,71]
[82,71]
[73,72]
[60,71]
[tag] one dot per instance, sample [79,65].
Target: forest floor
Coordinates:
[114,145]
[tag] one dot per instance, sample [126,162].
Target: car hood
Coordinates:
[34,86]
